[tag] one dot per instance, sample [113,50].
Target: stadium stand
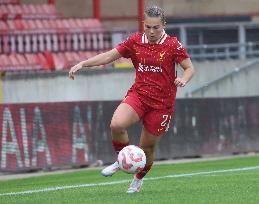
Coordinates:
[28,11]
[9,2]
[42,60]
[35,36]
[53,35]
[41,31]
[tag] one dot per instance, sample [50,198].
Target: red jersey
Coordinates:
[155,67]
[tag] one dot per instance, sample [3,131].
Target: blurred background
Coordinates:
[49,122]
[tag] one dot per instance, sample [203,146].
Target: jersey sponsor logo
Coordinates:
[161,54]
[148,68]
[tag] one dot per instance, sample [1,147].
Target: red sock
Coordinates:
[118,146]
[143,173]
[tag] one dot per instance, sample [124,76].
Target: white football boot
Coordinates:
[135,185]
[110,170]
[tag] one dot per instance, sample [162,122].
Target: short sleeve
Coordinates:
[179,52]
[125,47]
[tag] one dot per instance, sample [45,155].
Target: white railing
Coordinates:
[244,47]
[223,51]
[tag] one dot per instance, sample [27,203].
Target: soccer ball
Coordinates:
[132,159]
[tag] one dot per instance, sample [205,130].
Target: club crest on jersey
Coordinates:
[148,68]
[161,55]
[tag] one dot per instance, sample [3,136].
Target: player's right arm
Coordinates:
[100,59]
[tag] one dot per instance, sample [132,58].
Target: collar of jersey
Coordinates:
[160,41]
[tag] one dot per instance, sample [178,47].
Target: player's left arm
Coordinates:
[188,68]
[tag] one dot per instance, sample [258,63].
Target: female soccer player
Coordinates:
[151,98]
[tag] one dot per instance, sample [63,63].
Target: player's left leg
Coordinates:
[123,117]
[148,143]
[156,123]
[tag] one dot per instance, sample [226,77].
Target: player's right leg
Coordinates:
[148,143]
[123,117]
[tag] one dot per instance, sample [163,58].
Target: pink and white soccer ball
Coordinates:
[132,159]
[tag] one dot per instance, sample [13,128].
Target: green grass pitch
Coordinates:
[228,181]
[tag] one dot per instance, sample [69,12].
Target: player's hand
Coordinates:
[74,69]
[179,82]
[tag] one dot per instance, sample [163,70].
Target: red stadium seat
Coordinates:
[29,11]
[43,61]
[59,61]
[32,59]
[33,36]
[64,33]
[49,57]
[9,2]
[4,65]
[14,62]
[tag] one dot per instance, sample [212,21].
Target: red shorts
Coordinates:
[155,121]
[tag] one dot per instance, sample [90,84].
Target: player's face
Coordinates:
[153,28]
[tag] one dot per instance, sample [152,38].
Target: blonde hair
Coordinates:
[155,11]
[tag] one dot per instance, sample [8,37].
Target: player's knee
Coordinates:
[117,127]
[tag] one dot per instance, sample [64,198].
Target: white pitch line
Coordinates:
[126,181]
